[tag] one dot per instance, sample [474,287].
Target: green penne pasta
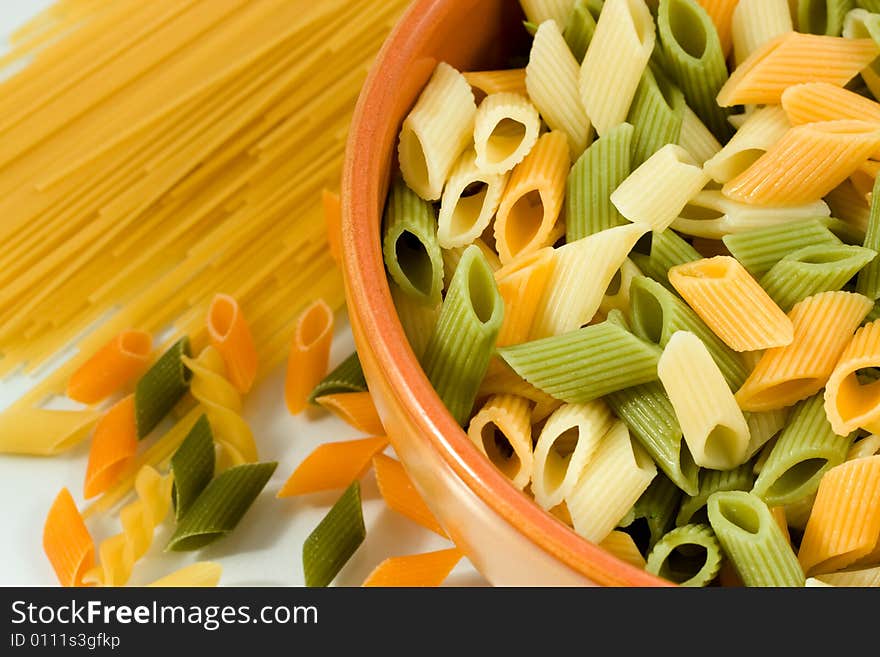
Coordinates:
[347,377]
[688,556]
[713,481]
[656,114]
[758,250]
[657,314]
[409,245]
[753,541]
[458,353]
[336,538]
[656,508]
[417,318]
[579,29]
[822,16]
[805,450]
[585,364]
[846,232]
[220,506]
[763,427]
[871,5]
[597,173]
[649,415]
[695,60]
[161,387]
[192,466]
[868,282]
[811,270]
[668,249]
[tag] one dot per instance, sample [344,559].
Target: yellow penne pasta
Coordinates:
[721,12]
[716,434]
[848,205]
[850,405]
[500,379]
[794,58]
[868,446]
[436,131]
[496,82]
[538,11]
[506,128]
[567,304]
[615,60]
[761,130]
[787,173]
[43,432]
[552,82]
[711,215]
[755,22]
[844,525]
[865,577]
[696,138]
[718,289]
[533,198]
[656,193]
[617,294]
[622,546]
[820,101]
[521,285]
[470,199]
[566,444]
[823,326]
[502,430]
[612,482]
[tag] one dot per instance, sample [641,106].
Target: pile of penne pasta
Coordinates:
[642,275]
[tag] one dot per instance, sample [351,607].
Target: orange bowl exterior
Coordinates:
[507,537]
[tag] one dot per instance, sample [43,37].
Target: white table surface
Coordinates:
[266,547]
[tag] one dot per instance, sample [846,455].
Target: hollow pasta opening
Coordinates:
[136,343]
[687,28]
[412,155]
[499,450]
[222,316]
[468,207]
[699,213]
[643,27]
[647,315]
[796,477]
[614,286]
[721,444]
[740,514]
[506,138]
[684,562]
[314,325]
[859,393]
[481,285]
[524,221]
[824,257]
[817,17]
[559,457]
[414,261]
[739,162]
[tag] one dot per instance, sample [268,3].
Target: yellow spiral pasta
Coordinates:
[118,554]
[222,404]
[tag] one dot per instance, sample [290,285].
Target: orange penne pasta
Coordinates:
[533,198]
[844,525]
[791,59]
[231,336]
[309,354]
[820,101]
[114,446]
[497,82]
[333,222]
[116,364]
[721,13]
[333,466]
[850,405]
[400,495]
[806,164]
[732,303]
[356,409]
[521,285]
[429,569]
[622,546]
[67,542]
[823,325]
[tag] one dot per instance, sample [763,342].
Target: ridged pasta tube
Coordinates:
[506,128]
[755,22]
[763,128]
[698,570]
[470,199]
[502,430]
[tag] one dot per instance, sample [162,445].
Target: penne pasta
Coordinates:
[758,250]
[721,12]
[115,365]
[522,284]
[538,11]
[200,574]
[67,542]
[618,293]
[309,354]
[400,495]
[755,22]
[502,430]
[333,466]
[850,207]
[761,130]
[693,507]
[418,319]
[856,578]
[822,16]
[696,138]
[422,570]
[667,250]
[355,409]
[498,82]
[864,24]
[699,538]
[869,446]
[231,336]
[868,282]
[850,403]
[622,546]
[581,26]
[656,113]
[114,445]
[506,128]
[819,101]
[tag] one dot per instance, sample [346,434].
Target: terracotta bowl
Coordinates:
[507,537]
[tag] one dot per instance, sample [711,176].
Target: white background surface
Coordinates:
[266,547]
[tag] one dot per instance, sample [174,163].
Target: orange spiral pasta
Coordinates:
[67,542]
[113,447]
[116,364]
[309,354]
[231,336]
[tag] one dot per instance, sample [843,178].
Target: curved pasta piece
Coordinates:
[333,466]
[506,128]
[113,447]
[717,289]
[428,569]
[231,336]
[552,83]
[721,12]
[761,130]
[470,199]
[655,193]
[497,82]
[67,542]
[200,574]
[521,285]
[794,58]
[533,198]
[566,443]
[615,60]
[42,432]
[400,495]
[309,354]
[717,433]
[333,223]
[436,131]
[114,366]
[356,409]
[755,22]
[139,519]
[222,404]
[785,174]
[849,403]
[502,430]
[844,525]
